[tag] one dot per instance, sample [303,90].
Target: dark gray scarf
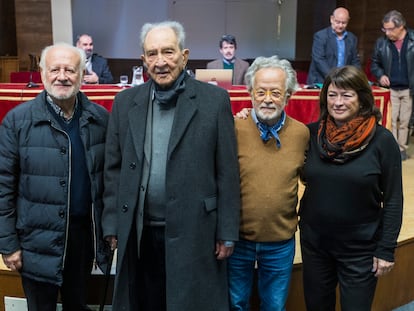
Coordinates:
[169,96]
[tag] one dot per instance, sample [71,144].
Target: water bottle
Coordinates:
[137,75]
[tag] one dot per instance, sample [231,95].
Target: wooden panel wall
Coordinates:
[311,17]
[366,18]
[11,286]
[8,46]
[33,28]
[8,64]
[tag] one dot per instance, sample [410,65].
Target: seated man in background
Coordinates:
[332,47]
[97,70]
[228,48]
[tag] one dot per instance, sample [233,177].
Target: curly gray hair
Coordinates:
[272,62]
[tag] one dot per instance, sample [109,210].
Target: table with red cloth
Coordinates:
[12,94]
[25,77]
[303,105]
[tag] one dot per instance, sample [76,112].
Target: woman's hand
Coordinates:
[243,114]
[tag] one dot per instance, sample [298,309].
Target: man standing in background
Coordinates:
[332,47]
[393,66]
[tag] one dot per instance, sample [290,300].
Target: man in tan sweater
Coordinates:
[271,150]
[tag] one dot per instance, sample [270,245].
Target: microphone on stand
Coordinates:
[31,83]
[34,65]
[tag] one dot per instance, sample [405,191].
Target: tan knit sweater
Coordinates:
[269,180]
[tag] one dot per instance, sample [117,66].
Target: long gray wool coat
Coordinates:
[203,194]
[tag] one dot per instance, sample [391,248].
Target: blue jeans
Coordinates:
[274,267]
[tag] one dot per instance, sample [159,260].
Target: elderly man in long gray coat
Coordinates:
[172,193]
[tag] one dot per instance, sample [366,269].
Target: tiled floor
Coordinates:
[407,230]
[407,307]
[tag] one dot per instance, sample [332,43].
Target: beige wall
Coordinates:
[62,21]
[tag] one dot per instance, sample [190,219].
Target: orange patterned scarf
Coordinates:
[339,144]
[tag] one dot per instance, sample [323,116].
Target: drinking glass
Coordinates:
[137,77]
[123,80]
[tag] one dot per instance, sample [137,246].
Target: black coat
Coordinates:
[101,68]
[34,184]
[202,185]
[325,54]
[382,58]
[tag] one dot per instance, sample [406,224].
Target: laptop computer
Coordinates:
[220,77]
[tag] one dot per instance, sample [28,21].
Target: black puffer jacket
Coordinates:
[34,184]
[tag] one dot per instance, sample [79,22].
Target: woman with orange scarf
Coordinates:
[351,210]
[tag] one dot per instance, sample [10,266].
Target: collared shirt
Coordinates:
[340,43]
[229,62]
[88,65]
[59,110]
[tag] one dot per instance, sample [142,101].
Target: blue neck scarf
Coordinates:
[266,131]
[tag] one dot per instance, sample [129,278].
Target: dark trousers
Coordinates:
[328,262]
[151,270]
[78,264]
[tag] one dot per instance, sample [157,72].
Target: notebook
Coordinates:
[220,77]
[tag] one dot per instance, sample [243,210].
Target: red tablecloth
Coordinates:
[12,94]
[303,105]
[24,77]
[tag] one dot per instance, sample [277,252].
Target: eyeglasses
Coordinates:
[275,95]
[383,29]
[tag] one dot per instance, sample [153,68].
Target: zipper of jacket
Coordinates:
[95,240]
[68,192]
[94,236]
[69,201]
[399,60]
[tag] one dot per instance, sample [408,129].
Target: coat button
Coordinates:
[62,183]
[125,208]
[62,214]
[132,165]
[142,188]
[63,150]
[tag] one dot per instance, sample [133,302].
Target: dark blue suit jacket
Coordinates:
[100,67]
[325,54]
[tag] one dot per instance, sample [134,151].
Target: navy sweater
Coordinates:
[80,194]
